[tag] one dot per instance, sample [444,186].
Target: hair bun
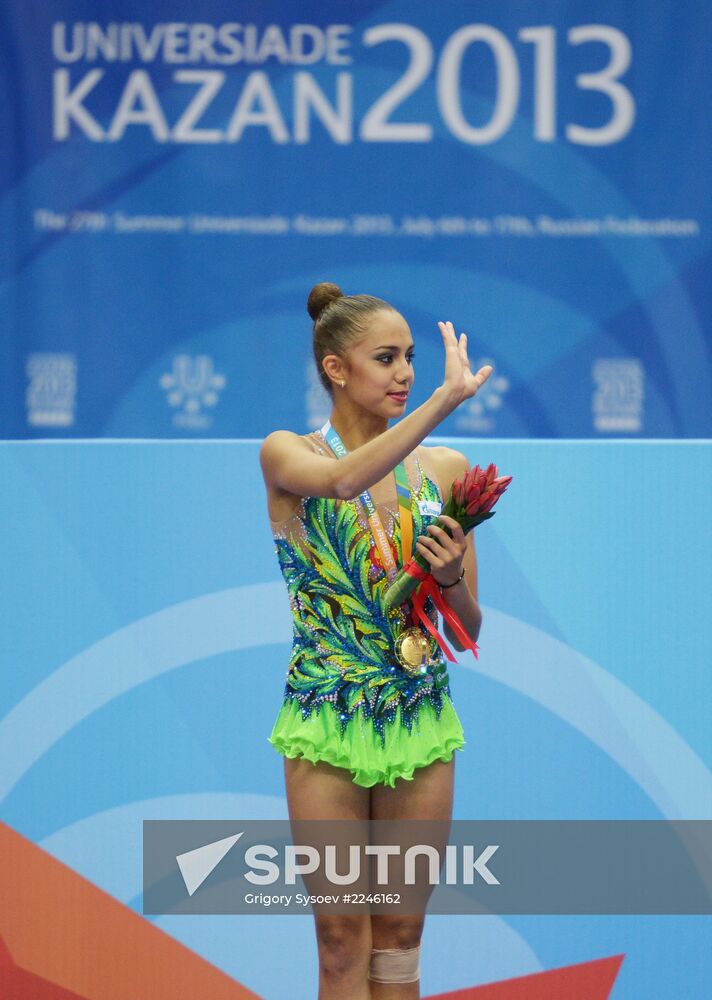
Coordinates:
[321,296]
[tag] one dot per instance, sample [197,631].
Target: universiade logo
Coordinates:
[196,865]
[192,388]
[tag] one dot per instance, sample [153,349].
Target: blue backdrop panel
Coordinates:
[173,183]
[146,638]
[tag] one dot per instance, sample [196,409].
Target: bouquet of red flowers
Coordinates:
[470,503]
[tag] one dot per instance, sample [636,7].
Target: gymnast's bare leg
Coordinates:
[321,791]
[428,796]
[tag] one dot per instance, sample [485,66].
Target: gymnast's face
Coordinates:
[379,367]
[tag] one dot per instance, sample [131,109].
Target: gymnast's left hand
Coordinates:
[443,552]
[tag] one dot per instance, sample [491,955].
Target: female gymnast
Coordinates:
[367,726]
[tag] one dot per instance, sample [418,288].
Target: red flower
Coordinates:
[478,490]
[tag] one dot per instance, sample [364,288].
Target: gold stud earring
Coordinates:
[342,384]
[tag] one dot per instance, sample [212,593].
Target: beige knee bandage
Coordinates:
[395,965]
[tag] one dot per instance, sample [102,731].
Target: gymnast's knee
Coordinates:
[394,965]
[344,944]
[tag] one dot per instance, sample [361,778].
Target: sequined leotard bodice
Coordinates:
[343,658]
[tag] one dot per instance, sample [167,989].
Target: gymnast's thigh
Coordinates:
[322,791]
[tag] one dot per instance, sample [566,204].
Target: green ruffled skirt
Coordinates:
[360,750]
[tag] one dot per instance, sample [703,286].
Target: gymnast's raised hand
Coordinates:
[459,378]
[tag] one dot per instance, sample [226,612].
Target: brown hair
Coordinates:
[339,321]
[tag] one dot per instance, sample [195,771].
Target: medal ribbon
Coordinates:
[374,520]
[428,585]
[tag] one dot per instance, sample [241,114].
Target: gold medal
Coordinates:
[412,650]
